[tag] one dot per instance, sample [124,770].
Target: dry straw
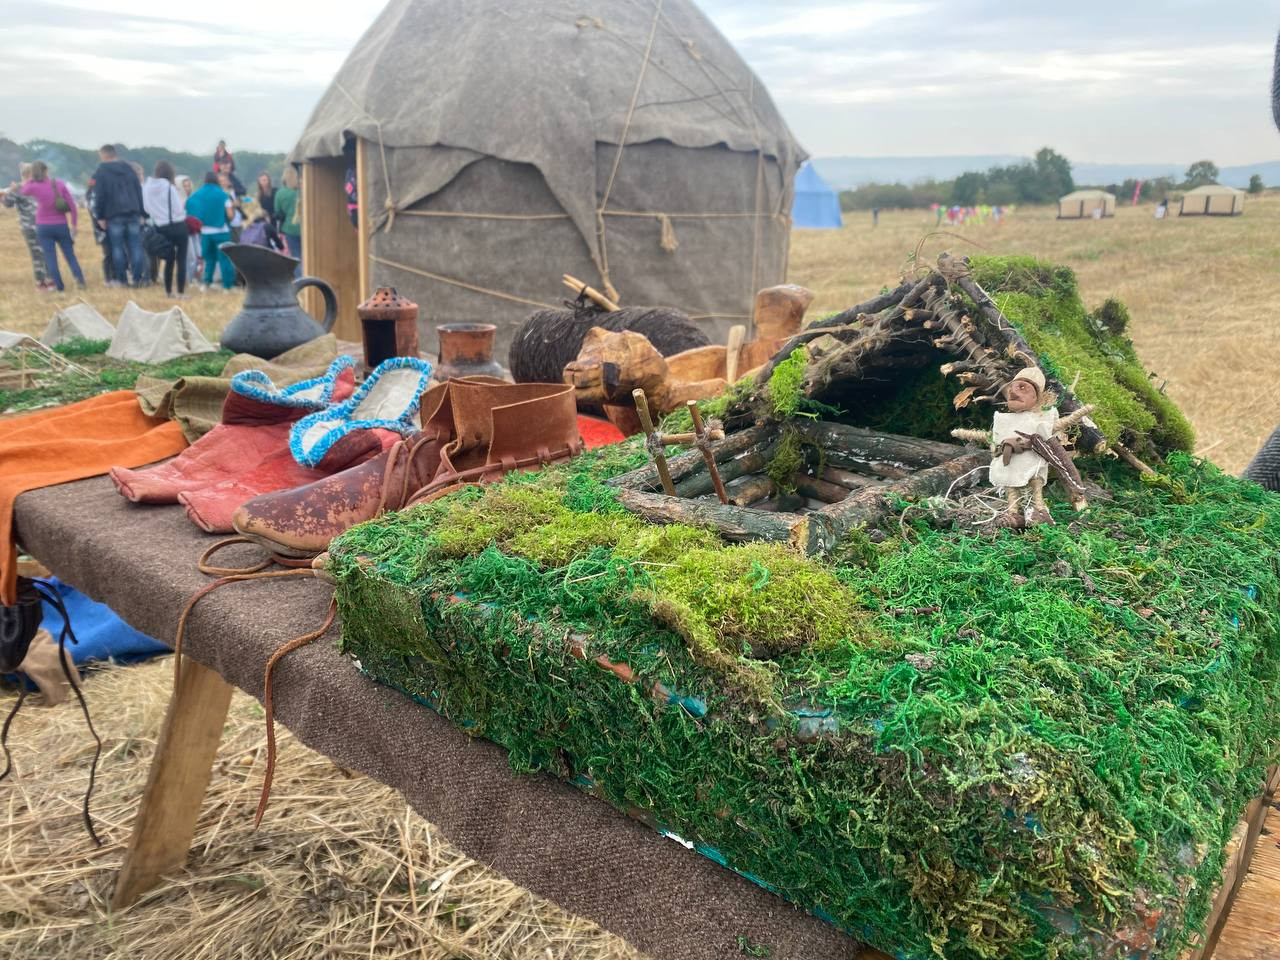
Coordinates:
[341,868]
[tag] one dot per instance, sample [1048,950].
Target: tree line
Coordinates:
[1041,180]
[76,164]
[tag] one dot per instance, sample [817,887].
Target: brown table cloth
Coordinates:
[541,833]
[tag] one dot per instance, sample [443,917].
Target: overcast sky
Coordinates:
[1114,81]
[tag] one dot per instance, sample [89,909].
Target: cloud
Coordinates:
[1153,80]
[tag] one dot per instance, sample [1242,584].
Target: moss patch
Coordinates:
[108,375]
[1047,765]
[1044,304]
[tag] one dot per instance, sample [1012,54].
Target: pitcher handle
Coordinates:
[326,291]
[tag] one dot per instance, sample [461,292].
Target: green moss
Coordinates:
[786,384]
[1043,303]
[1063,746]
[919,403]
[767,600]
[109,375]
[82,347]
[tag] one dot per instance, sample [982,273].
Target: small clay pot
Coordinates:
[388,326]
[466,350]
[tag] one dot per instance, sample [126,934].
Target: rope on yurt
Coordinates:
[601,233]
[460,283]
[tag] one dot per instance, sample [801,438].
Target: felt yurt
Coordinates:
[498,146]
[1212,200]
[1082,204]
[816,205]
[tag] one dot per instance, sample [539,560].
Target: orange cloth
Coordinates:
[70,443]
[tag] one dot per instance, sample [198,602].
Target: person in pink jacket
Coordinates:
[54,203]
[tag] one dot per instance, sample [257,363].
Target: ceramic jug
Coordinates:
[466,350]
[271,321]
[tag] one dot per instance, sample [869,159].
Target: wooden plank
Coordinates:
[1239,855]
[330,247]
[1251,930]
[179,777]
[362,228]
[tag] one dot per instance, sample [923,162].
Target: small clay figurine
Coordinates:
[1025,439]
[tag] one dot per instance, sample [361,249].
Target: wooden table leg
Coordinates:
[179,777]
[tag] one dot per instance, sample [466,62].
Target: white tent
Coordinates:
[147,337]
[78,320]
[1212,200]
[1087,204]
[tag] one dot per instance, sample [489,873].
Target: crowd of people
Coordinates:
[157,228]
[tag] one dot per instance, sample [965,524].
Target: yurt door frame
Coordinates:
[331,246]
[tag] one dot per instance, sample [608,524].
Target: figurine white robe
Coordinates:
[1022,467]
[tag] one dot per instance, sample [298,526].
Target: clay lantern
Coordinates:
[389,326]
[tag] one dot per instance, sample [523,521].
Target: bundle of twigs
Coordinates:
[944,310]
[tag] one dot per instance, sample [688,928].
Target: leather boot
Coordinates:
[475,430]
[301,522]
[256,419]
[524,426]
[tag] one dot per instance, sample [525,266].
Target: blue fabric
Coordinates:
[816,204]
[102,634]
[341,414]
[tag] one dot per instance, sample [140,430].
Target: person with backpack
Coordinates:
[53,203]
[26,207]
[211,205]
[168,212]
[117,199]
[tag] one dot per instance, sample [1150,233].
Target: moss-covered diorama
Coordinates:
[949,743]
[57,387]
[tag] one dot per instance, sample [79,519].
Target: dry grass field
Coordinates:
[341,868]
[1200,290]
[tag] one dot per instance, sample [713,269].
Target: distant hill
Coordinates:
[848,173]
[76,164]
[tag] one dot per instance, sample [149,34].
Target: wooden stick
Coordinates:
[592,294]
[659,457]
[1128,457]
[707,455]
[733,351]
[819,489]
[746,490]
[684,439]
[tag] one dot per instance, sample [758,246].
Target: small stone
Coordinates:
[923,662]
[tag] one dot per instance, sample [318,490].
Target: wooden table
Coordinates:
[583,855]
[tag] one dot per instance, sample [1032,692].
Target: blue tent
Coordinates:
[816,204]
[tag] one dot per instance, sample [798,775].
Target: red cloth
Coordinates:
[598,433]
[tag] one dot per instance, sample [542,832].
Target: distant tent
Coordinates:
[1212,200]
[80,320]
[1081,205]
[816,204]
[145,337]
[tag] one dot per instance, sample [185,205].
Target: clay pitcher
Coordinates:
[466,350]
[271,320]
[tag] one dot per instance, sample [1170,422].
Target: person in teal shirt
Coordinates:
[213,209]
